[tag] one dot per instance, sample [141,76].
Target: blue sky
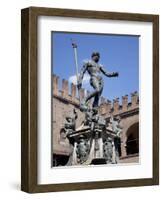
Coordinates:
[118,53]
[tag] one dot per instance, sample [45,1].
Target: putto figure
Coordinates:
[94,69]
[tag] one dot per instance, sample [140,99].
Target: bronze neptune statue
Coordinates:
[94,69]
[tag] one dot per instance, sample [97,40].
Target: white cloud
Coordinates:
[73,79]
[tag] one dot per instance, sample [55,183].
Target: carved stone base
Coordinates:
[92,147]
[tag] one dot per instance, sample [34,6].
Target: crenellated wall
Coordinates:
[69,93]
[117,107]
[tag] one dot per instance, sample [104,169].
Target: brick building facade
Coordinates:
[64,100]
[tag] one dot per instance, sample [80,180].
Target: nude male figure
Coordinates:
[94,69]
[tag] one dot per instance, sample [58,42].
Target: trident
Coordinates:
[74,45]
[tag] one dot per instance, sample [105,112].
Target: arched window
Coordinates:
[132,143]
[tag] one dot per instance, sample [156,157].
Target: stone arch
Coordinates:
[128,125]
[132,142]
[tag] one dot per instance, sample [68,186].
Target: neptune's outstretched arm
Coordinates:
[108,74]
